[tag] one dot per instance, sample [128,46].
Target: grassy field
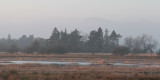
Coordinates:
[100,70]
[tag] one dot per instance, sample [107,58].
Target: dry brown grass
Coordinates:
[75,76]
[145,55]
[73,72]
[29,68]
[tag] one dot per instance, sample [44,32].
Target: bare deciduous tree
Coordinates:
[141,44]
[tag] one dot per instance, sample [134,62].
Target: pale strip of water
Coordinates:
[45,62]
[76,63]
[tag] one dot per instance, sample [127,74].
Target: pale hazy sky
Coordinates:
[38,17]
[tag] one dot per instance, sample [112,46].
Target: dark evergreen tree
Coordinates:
[24,41]
[64,38]
[75,41]
[13,48]
[92,43]
[84,43]
[96,41]
[55,38]
[99,40]
[114,40]
[106,42]
[53,41]
[34,47]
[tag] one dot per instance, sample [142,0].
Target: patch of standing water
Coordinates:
[134,65]
[47,62]
[77,63]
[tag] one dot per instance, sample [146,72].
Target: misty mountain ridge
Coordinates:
[43,27]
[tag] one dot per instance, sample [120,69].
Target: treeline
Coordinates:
[63,42]
[96,42]
[140,44]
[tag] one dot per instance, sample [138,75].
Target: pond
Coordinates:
[77,63]
[135,65]
[45,62]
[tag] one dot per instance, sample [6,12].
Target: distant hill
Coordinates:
[43,27]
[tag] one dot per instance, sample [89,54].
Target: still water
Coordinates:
[76,63]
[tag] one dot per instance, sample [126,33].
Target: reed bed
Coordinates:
[101,71]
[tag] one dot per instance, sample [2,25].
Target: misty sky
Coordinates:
[39,17]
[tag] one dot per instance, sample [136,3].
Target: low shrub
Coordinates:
[120,50]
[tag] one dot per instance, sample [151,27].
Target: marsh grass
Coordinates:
[74,72]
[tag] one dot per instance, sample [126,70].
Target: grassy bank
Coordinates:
[13,75]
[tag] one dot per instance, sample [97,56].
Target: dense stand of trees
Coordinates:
[63,42]
[15,45]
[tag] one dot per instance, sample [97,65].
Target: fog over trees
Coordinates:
[98,41]
[141,44]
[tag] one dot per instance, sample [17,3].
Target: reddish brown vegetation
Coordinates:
[73,72]
[75,76]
